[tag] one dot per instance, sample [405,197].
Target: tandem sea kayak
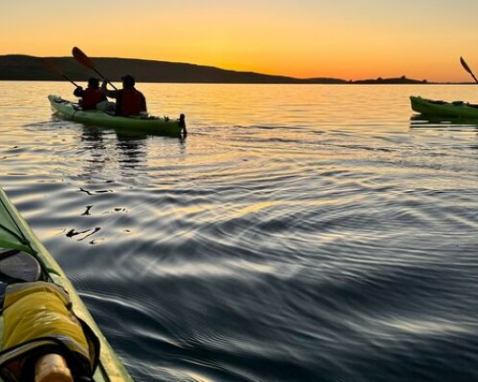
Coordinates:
[17,237]
[145,125]
[457,109]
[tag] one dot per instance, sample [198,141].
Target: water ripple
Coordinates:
[299,233]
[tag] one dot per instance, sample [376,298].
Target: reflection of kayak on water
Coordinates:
[148,125]
[457,109]
[35,285]
[440,121]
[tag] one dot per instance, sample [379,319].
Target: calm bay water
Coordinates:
[299,233]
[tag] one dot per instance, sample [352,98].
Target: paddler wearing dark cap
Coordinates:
[129,100]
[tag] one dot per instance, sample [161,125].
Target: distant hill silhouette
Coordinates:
[29,68]
[385,81]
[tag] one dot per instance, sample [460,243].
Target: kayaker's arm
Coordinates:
[106,92]
[111,93]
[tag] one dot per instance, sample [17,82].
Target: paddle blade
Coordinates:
[82,58]
[465,65]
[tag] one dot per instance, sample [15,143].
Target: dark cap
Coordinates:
[93,83]
[128,81]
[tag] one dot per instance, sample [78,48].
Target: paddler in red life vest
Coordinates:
[129,101]
[91,96]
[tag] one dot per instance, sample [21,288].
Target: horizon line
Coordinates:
[347,81]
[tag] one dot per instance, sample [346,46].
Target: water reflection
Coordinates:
[428,121]
[93,135]
[132,149]
[128,151]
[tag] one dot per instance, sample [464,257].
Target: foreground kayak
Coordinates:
[150,125]
[16,234]
[445,109]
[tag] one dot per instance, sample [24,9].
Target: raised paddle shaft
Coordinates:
[53,68]
[467,68]
[83,59]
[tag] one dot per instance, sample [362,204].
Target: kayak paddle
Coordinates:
[83,59]
[467,68]
[53,68]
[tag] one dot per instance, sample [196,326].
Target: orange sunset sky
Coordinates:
[349,39]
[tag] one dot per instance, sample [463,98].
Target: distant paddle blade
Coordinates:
[467,68]
[82,58]
[465,65]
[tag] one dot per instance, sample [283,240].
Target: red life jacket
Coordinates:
[130,102]
[91,98]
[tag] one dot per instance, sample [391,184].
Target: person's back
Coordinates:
[91,96]
[129,100]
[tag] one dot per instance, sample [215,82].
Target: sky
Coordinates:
[349,39]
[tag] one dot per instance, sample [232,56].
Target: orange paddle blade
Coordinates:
[82,58]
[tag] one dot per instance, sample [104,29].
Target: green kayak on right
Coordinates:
[457,109]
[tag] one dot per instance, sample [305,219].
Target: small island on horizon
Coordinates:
[31,68]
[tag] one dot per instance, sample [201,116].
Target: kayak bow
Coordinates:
[444,109]
[16,234]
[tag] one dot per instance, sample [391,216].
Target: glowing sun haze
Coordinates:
[349,39]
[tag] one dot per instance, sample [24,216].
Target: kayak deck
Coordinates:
[148,125]
[16,234]
[456,109]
